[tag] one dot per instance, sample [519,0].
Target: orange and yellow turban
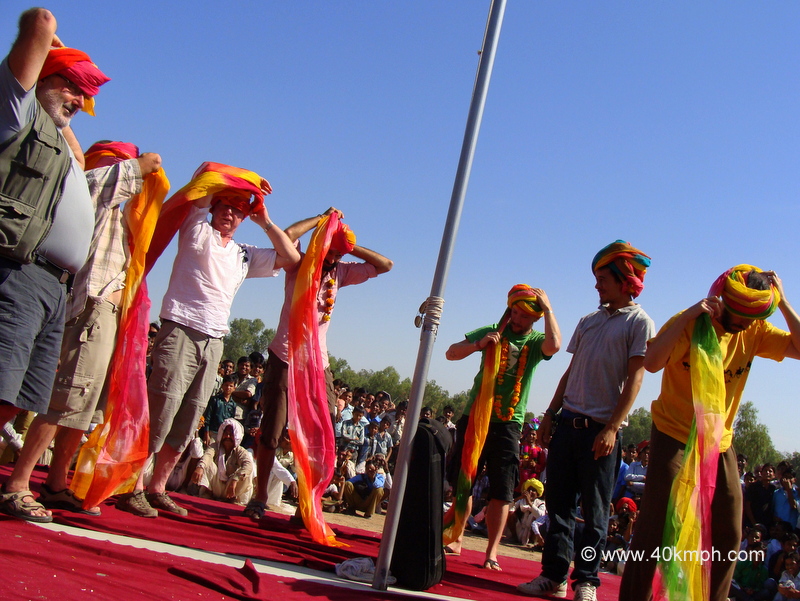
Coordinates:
[525,299]
[627,262]
[240,202]
[77,67]
[741,300]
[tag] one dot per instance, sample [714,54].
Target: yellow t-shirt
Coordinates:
[673,411]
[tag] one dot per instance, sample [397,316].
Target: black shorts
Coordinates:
[500,456]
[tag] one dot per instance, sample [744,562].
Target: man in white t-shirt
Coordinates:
[208,270]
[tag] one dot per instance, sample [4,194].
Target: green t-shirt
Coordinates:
[533,341]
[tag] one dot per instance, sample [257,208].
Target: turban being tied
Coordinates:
[525,299]
[240,202]
[535,485]
[77,67]
[627,262]
[104,154]
[741,300]
[343,239]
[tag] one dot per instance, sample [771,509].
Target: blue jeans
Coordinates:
[573,476]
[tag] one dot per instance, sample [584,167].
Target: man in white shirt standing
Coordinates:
[208,270]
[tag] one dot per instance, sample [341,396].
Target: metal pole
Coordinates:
[431,320]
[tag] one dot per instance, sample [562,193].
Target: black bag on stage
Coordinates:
[418,558]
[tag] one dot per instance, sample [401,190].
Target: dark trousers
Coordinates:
[666,456]
[572,474]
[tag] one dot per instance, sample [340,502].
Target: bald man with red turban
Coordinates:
[48,217]
[739,302]
[324,255]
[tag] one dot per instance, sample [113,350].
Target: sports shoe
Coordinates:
[542,585]
[136,503]
[161,500]
[585,591]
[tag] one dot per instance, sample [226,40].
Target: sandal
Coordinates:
[65,499]
[491,564]
[448,550]
[255,510]
[12,503]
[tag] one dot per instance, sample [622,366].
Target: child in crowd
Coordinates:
[789,584]
[750,578]
[353,431]
[220,407]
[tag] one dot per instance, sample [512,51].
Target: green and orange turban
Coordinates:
[77,67]
[525,299]
[627,262]
[741,300]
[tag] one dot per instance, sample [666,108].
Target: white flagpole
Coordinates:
[433,306]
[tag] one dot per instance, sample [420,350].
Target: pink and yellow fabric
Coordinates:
[741,300]
[77,67]
[687,529]
[110,462]
[525,298]
[309,420]
[210,178]
[627,262]
[480,414]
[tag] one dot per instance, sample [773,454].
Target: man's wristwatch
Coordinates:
[551,412]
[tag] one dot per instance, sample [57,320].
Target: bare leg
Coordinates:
[35,443]
[455,546]
[68,440]
[166,460]
[496,516]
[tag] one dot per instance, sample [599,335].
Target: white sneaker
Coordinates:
[585,591]
[544,586]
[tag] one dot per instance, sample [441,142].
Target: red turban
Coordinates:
[343,240]
[76,66]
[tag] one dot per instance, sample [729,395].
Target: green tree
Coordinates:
[246,336]
[638,428]
[752,438]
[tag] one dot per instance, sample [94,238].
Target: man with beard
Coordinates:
[520,349]
[335,275]
[739,302]
[42,86]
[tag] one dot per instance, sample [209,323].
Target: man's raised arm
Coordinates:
[37,33]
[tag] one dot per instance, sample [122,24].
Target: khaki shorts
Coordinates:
[185,364]
[86,352]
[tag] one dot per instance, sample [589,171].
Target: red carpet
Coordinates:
[219,527]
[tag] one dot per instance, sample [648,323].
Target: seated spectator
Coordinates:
[365,491]
[626,514]
[226,470]
[353,431]
[777,563]
[777,532]
[383,468]
[529,508]
[220,407]
[280,480]
[284,453]
[750,580]
[789,584]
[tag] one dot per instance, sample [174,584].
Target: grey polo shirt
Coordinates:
[602,344]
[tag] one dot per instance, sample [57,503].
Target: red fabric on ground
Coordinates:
[221,527]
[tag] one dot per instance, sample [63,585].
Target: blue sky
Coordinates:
[671,125]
